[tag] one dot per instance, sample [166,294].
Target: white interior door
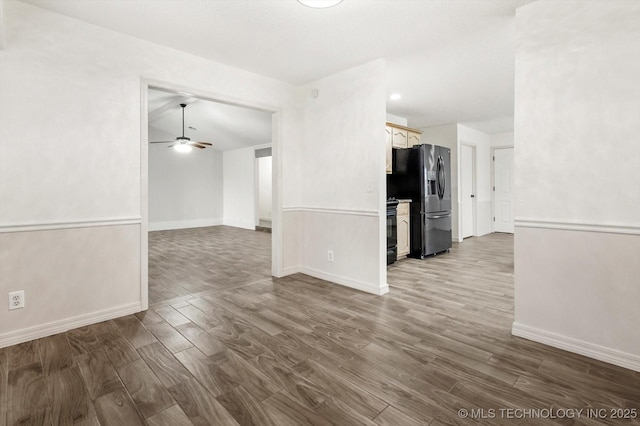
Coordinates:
[467,190]
[503,190]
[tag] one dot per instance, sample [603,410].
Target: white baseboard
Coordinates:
[591,350]
[184,224]
[239,223]
[60,326]
[345,281]
[290,270]
[336,279]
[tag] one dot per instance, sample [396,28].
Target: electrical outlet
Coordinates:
[330,255]
[16,300]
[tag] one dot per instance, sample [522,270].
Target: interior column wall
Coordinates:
[577,177]
[343,175]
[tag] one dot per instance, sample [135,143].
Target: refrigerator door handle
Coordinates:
[441,216]
[438,165]
[442,178]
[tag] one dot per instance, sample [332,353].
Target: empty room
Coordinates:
[319,212]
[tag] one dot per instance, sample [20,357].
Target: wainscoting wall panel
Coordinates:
[578,290]
[71,277]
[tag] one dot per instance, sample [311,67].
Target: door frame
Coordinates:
[474,191]
[276,175]
[493,183]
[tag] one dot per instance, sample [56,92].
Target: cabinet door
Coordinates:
[404,231]
[399,138]
[389,136]
[413,138]
[403,209]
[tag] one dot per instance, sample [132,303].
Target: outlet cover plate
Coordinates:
[16,300]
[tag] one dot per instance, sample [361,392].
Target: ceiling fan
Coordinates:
[183,143]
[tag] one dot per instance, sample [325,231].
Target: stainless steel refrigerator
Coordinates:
[428,180]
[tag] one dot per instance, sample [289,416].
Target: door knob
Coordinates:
[473,196]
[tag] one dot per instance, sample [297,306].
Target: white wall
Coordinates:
[264,187]
[501,139]
[343,162]
[481,141]
[71,159]
[239,188]
[185,189]
[396,119]
[577,177]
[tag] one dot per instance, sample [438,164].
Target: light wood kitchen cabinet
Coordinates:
[413,138]
[389,144]
[404,229]
[399,138]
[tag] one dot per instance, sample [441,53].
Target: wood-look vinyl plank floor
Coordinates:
[4,371]
[224,343]
[69,399]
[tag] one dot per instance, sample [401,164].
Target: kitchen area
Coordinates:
[418,195]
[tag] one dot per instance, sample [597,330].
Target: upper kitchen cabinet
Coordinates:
[399,138]
[403,137]
[413,138]
[389,143]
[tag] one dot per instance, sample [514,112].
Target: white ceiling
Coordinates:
[225,126]
[452,60]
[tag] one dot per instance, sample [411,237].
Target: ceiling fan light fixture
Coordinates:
[182,147]
[182,143]
[319,4]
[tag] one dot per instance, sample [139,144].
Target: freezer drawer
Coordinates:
[435,232]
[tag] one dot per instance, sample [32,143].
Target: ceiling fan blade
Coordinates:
[197,145]
[162,141]
[203,143]
[173,144]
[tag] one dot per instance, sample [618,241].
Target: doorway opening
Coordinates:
[199,212]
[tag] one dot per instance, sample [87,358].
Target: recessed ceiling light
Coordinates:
[395,96]
[319,4]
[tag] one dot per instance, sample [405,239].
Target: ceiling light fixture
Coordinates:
[182,143]
[182,147]
[395,96]
[319,4]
